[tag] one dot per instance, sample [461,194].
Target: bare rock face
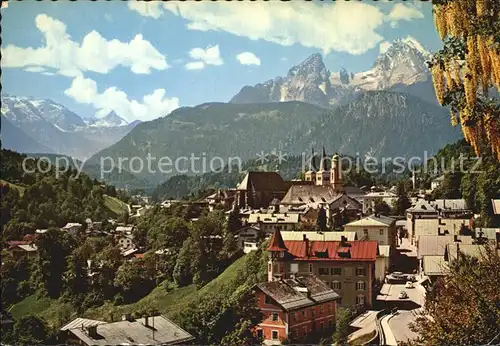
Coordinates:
[401,66]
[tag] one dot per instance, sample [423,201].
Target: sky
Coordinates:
[145,59]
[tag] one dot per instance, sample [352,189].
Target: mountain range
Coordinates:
[33,125]
[401,68]
[388,110]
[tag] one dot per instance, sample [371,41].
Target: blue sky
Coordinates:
[143,60]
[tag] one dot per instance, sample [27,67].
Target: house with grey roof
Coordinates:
[293,308]
[150,330]
[375,227]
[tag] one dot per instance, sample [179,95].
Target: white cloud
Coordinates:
[195,65]
[94,53]
[403,12]
[248,58]
[342,26]
[210,55]
[147,8]
[154,105]
[36,69]
[384,46]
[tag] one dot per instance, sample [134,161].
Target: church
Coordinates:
[327,174]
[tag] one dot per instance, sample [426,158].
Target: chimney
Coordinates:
[343,239]
[455,238]
[307,244]
[92,332]
[127,317]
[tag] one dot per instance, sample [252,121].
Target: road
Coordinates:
[397,327]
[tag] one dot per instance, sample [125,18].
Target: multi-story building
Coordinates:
[375,227]
[348,267]
[294,308]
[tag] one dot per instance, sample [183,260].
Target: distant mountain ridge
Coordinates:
[56,129]
[379,123]
[399,68]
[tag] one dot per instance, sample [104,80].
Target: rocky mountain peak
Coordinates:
[312,68]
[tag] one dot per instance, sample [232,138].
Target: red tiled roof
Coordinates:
[360,250]
[277,243]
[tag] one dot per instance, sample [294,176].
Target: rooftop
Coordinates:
[317,236]
[435,245]
[435,265]
[297,293]
[273,218]
[136,332]
[303,194]
[450,204]
[496,206]
[374,221]
[422,206]
[356,250]
[262,181]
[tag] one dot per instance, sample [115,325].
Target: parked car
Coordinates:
[402,295]
[409,284]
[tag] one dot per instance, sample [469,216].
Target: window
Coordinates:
[360,271]
[323,271]
[295,317]
[269,267]
[294,267]
[336,285]
[282,267]
[321,309]
[274,335]
[260,334]
[336,271]
[305,330]
[329,307]
[360,300]
[381,232]
[274,316]
[310,268]
[360,286]
[268,300]
[304,313]
[313,313]
[365,231]
[381,242]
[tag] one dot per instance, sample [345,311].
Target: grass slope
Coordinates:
[20,189]
[172,301]
[163,298]
[54,311]
[116,206]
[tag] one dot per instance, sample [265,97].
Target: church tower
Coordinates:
[310,175]
[323,176]
[278,255]
[336,174]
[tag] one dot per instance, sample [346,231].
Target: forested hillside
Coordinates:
[48,200]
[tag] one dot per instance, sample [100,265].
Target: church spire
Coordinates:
[312,162]
[322,166]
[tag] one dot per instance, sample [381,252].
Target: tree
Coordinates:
[403,202]
[28,330]
[233,221]
[381,207]
[344,317]
[463,308]
[321,219]
[469,60]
